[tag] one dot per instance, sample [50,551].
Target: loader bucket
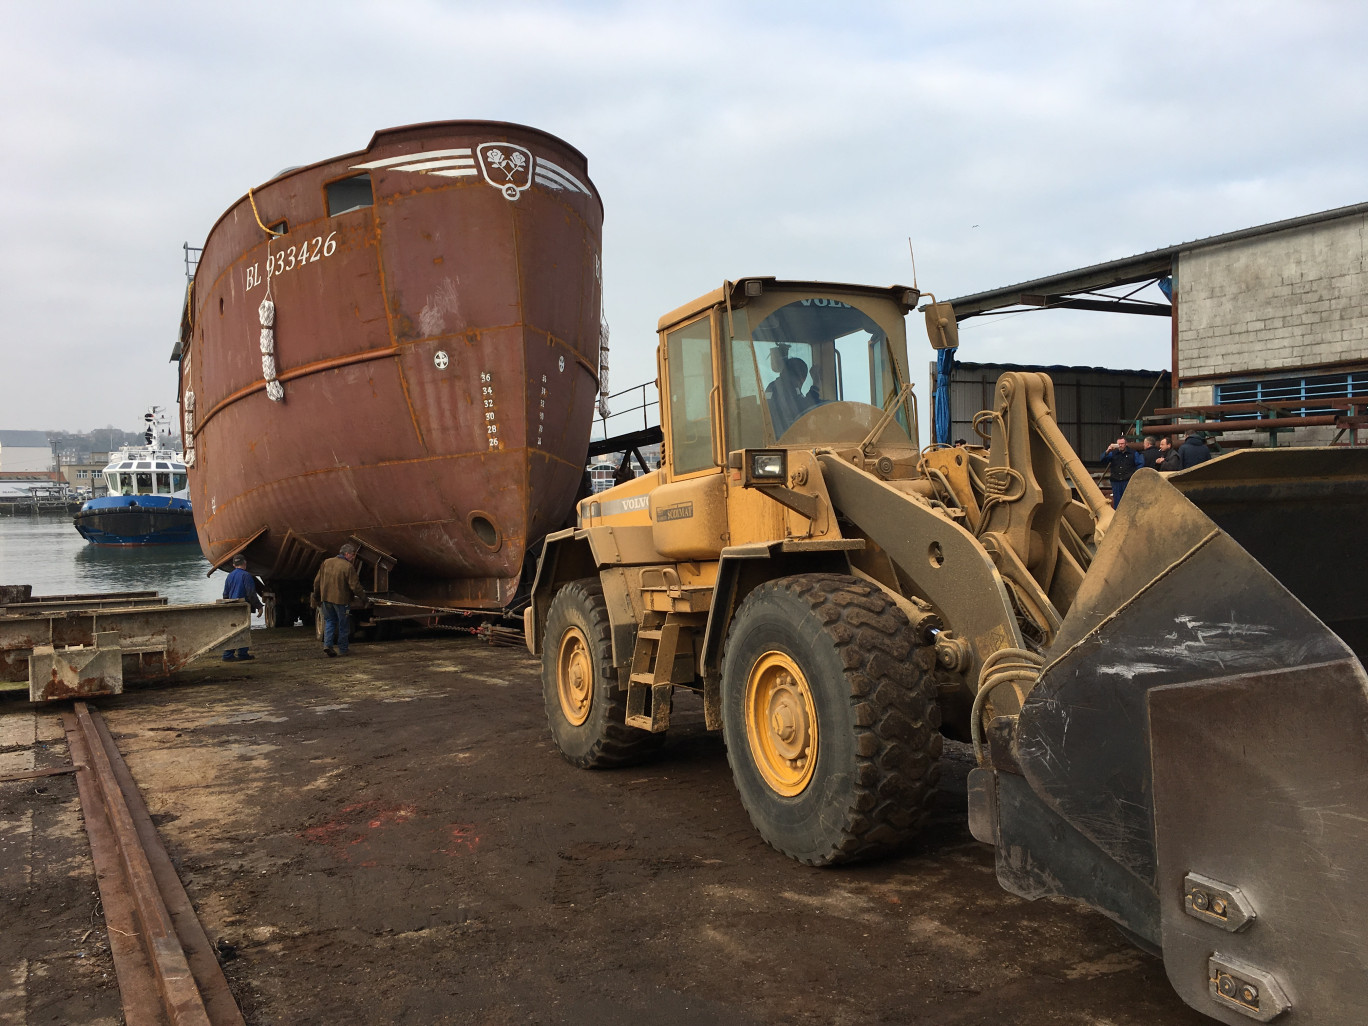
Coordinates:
[1193,759]
[1299,512]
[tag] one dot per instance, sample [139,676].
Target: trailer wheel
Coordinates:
[281,608]
[584,705]
[830,717]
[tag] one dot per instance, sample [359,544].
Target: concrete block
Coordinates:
[1195,395]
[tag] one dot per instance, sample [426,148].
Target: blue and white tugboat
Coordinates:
[149,497]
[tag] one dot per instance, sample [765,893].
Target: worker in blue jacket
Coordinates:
[241,585]
[1124,462]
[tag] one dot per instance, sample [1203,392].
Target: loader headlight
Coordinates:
[766,466]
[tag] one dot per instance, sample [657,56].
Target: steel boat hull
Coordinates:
[437,351]
[136,520]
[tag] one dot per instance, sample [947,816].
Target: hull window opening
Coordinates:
[348,194]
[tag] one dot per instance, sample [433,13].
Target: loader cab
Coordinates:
[761,362]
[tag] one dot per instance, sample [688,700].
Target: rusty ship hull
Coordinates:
[423,380]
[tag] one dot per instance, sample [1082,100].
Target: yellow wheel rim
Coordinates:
[781,723]
[574,676]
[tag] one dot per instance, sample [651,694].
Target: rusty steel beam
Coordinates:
[180,997]
[1216,427]
[1063,302]
[62,603]
[12,594]
[22,594]
[152,641]
[199,951]
[1339,404]
[137,986]
[166,969]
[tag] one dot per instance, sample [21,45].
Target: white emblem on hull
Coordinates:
[506,167]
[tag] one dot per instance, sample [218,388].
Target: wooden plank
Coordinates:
[51,771]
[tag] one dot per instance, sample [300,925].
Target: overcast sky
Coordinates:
[798,139]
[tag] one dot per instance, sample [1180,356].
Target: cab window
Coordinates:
[749,424]
[807,353]
[688,354]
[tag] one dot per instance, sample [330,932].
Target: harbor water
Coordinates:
[45,551]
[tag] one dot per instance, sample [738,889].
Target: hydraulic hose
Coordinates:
[1005,666]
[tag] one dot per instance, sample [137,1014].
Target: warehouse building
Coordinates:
[24,451]
[1268,326]
[1092,404]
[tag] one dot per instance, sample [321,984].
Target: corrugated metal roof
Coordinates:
[1128,270]
[24,439]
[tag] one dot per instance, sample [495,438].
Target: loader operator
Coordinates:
[1124,462]
[785,395]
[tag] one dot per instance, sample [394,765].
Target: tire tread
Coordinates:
[616,744]
[894,708]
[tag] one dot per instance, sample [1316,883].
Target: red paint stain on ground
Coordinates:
[461,840]
[357,824]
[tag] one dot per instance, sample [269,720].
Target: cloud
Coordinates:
[797,139]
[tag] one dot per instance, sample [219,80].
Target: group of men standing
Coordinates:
[1122,460]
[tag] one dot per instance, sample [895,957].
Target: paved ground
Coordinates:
[392,838]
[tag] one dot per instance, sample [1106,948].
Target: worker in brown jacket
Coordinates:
[334,590]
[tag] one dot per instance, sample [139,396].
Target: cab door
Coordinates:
[689,511]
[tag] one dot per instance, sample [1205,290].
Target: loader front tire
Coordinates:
[584,705]
[830,718]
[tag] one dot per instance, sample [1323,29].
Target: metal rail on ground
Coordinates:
[167,970]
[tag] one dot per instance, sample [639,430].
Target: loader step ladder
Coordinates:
[656,670]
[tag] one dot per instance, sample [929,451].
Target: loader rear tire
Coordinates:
[584,705]
[830,718]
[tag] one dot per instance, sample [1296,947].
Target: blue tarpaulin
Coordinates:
[945,365]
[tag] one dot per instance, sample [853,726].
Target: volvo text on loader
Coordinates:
[1167,703]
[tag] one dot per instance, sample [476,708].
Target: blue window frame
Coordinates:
[1308,389]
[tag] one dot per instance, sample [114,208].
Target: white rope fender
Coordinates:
[603,368]
[188,417]
[275,391]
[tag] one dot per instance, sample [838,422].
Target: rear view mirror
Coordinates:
[941,327]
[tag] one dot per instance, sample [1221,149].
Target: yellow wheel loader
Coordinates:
[1166,702]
